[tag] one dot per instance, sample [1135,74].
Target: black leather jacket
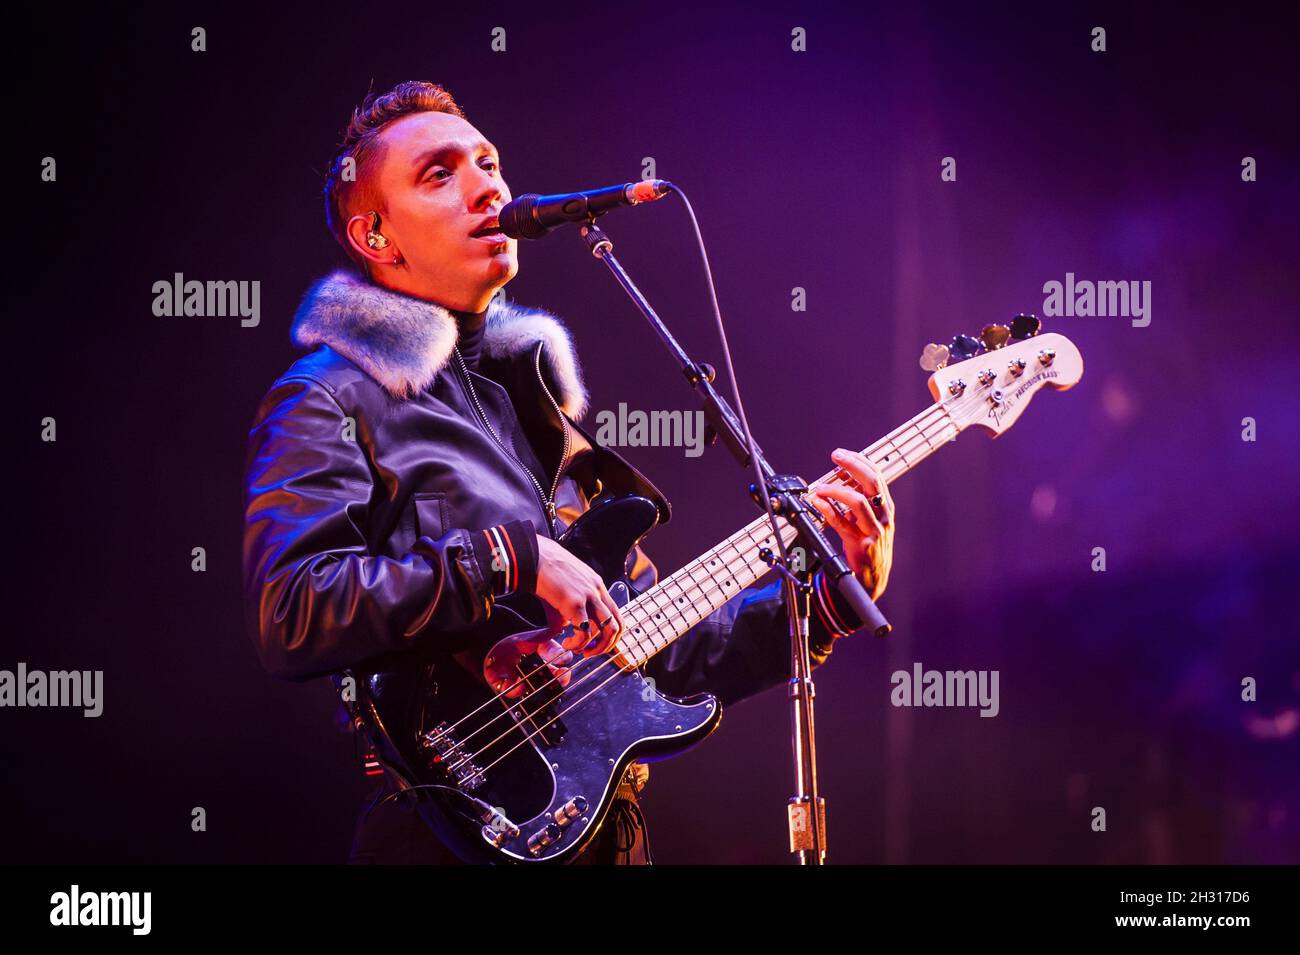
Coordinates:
[373,489]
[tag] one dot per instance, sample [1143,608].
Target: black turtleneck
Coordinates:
[470,340]
[494,399]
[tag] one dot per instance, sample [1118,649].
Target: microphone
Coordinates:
[532,216]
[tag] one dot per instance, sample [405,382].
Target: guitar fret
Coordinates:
[695,567]
[717,575]
[675,602]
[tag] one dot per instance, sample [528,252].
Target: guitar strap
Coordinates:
[633,781]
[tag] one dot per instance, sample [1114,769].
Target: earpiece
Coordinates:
[374,238]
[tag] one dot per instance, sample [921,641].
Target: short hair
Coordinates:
[361,145]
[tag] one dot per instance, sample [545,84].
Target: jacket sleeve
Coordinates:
[316,599]
[743,647]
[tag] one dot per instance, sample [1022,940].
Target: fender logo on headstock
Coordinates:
[998,412]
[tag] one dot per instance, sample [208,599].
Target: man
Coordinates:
[419,463]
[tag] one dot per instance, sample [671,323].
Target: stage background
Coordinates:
[819,170]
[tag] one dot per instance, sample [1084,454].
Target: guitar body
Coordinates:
[551,762]
[532,781]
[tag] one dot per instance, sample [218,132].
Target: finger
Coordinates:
[859,506]
[611,626]
[872,483]
[559,660]
[835,513]
[617,623]
[876,491]
[885,509]
[852,471]
[511,684]
[601,638]
[577,627]
[859,469]
[606,607]
[502,683]
[824,507]
[846,529]
[886,512]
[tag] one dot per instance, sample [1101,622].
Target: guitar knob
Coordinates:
[957,387]
[963,347]
[1025,326]
[571,810]
[1046,356]
[995,397]
[495,837]
[994,336]
[934,357]
[1016,367]
[987,376]
[542,838]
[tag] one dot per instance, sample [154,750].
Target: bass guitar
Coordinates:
[530,778]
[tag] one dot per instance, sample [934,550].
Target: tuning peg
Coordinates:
[994,336]
[963,347]
[1024,326]
[934,357]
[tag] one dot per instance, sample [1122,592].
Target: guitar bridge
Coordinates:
[447,755]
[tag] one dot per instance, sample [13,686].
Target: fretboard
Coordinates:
[678,602]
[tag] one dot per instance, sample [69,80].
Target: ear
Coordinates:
[359,230]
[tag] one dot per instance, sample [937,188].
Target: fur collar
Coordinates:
[404,342]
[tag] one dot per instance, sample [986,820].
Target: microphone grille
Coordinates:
[518,219]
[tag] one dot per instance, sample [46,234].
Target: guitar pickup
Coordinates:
[535,711]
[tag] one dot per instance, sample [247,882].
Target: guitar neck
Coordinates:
[678,602]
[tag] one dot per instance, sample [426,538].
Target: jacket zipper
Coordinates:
[548,504]
[564,424]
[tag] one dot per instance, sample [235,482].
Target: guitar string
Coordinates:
[655,609]
[961,399]
[830,477]
[741,558]
[935,415]
[568,709]
[658,610]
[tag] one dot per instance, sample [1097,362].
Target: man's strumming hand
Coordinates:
[577,596]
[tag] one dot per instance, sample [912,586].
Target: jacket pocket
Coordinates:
[430,514]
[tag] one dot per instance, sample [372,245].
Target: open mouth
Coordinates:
[490,231]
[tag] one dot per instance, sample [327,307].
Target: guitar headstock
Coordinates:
[988,381]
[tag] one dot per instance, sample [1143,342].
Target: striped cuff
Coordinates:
[507,556]
[839,618]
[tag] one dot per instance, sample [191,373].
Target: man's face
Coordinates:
[441,182]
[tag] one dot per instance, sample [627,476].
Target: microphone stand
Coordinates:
[806,810]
